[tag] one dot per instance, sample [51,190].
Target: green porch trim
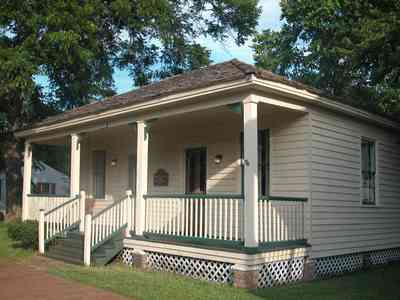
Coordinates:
[196,196]
[48,195]
[223,245]
[224,196]
[235,107]
[281,198]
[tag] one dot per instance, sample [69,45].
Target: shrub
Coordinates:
[26,233]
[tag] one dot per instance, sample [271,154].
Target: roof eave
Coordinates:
[312,98]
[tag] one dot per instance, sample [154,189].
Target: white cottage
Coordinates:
[228,173]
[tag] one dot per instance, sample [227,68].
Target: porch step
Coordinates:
[107,251]
[65,258]
[71,247]
[68,249]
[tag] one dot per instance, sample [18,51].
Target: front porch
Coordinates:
[230,178]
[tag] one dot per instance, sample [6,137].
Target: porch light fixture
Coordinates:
[113,162]
[218,159]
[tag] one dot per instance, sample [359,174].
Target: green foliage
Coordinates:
[348,48]
[77,44]
[7,249]
[26,233]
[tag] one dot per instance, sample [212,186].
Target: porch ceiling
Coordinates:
[267,114]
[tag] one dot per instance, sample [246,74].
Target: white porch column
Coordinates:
[26,189]
[75,165]
[250,144]
[141,181]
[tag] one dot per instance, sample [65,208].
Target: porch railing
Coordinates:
[108,222]
[281,219]
[43,202]
[58,220]
[195,216]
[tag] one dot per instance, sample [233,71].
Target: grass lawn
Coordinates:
[8,249]
[377,283]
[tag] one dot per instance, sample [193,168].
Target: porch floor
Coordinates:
[220,245]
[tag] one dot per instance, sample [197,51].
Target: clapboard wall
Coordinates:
[340,223]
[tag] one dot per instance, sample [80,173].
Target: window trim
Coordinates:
[376,147]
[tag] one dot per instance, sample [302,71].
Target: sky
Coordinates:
[269,19]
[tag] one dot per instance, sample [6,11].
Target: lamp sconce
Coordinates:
[114,162]
[218,159]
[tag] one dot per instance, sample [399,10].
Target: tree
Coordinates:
[77,44]
[347,48]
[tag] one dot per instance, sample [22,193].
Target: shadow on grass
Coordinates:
[379,282]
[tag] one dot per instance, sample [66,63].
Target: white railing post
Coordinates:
[41,232]
[75,164]
[27,180]
[82,209]
[250,128]
[141,183]
[87,240]
[129,213]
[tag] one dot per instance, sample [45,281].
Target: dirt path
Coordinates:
[31,281]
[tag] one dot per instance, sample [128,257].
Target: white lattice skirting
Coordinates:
[281,272]
[187,266]
[336,265]
[271,273]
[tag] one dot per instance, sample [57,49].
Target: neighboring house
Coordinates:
[237,175]
[49,186]
[49,181]
[3,194]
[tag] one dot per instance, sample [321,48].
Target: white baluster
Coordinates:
[220,219]
[186,217]
[237,214]
[201,223]
[225,218]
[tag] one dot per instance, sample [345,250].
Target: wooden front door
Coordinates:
[196,171]
[196,183]
[99,174]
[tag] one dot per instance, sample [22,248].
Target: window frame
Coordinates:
[376,179]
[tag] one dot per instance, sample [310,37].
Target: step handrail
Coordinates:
[46,213]
[103,226]
[59,220]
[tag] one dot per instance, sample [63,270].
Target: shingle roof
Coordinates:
[215,74]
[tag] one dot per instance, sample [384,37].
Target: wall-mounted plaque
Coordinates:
[161,178]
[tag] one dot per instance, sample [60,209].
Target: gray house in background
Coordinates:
[49,181]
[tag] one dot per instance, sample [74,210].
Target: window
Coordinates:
[263,162]
[45,188]
[368,172]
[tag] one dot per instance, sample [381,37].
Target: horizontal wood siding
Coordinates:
[340,224]
[289,159]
